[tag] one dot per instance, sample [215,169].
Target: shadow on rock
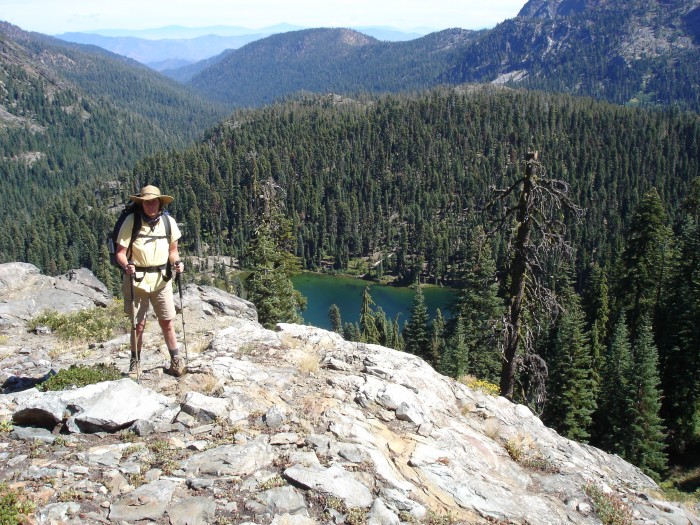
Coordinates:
[19,384]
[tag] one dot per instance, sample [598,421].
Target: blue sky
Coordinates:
[59,16]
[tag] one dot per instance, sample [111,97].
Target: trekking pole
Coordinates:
[133,332]
[182,312]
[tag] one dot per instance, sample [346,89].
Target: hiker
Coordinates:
[147,271]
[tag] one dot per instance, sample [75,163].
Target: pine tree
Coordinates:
[455,357]
[681,339]
[437,337]
[571,390]
[597,309]
[335,319]
[538,230]
[612,420]
[269,285]
[645,445]
[645,261]
[396,336]
[416,331]
[383,327]
[351,332]
[368,328]
[480,310]
[106,273]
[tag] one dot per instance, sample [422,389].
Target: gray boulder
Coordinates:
[231,460]
[94,408]
[148,502]
[211,301]
[193,511]
[24,293]
[333,480]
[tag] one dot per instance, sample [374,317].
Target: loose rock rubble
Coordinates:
[291,426]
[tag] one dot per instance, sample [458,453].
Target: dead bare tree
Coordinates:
[537,232]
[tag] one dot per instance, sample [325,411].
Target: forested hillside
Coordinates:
[326,61]
[71,119]
[640,52]
[409,180]
[410,175]
[113,80]
[632,52]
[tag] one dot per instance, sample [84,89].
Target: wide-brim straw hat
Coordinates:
[149,193]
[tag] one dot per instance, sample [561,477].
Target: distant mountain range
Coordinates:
[328,60]
[637,52]
[172,47]
[164,53]
[624,51]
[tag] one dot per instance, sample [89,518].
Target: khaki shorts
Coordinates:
[161,300]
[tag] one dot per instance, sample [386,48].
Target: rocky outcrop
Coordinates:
[24,293]
[296,425]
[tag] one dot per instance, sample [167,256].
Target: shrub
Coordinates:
[435,518]
[79,375]
[273,482]
[523,451]
[162,456]
[93,324]
[480,385]
[309,364]
[14,506]
[610,508]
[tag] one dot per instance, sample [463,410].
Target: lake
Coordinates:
[323,290]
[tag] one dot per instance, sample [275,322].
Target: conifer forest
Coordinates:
[570,227]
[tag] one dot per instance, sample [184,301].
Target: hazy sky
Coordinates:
[58,16]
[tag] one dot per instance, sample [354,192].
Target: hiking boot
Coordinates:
[134,367]
[177,367]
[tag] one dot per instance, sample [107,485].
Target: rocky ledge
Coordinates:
[292,426]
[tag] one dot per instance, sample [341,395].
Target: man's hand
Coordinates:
[179,266]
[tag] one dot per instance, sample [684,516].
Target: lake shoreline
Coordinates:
[370,280]
[323,290]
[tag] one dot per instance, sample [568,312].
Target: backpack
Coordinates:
[132,208]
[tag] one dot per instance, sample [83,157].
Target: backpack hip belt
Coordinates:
[154,269]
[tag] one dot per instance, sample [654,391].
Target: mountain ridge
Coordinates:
[623,52]
[325,60]
[162,47]
[155,53]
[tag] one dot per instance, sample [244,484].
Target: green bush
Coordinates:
[93,324]
[79,376]
[14,506]
[609,507]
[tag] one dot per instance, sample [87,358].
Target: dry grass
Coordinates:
[492,429]
[209,384]
[309,364]
[523,450]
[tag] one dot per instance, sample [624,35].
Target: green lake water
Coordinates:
[323,290]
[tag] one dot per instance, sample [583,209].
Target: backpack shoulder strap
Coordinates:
[168,226]
[136,228]
[169,236]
